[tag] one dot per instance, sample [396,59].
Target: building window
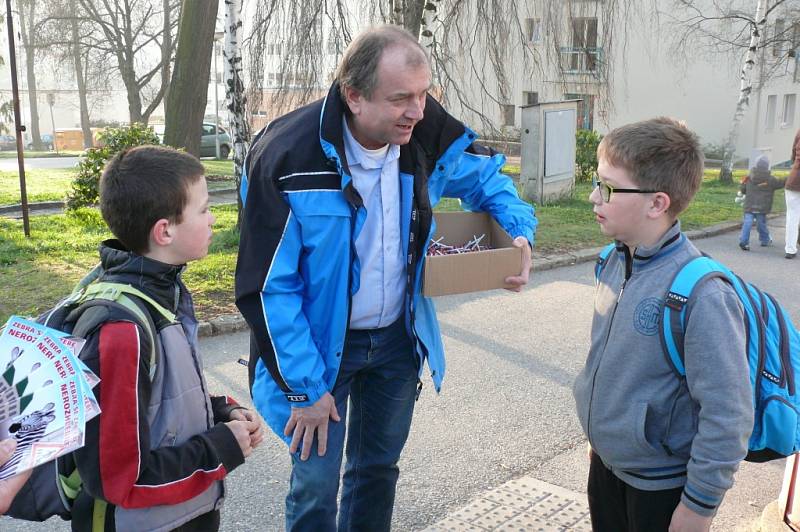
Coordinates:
[508,114]
[787,116]
[778,38]
[772,103]
[533,29]
[583,56]
[530,97]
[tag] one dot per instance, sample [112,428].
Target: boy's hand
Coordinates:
[241,430]
[10,486]
[304,422]
[685,520]
[257,435]
[518,281]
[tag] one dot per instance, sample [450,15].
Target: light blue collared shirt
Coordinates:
[376,177]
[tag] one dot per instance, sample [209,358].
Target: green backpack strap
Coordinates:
[120,293]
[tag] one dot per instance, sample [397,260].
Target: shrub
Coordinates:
[85,187]
[586,142]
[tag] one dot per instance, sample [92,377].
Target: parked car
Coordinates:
[8,142]
[208,146]
[47,142]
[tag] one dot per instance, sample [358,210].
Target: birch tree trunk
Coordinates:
[745,89]
[235,99]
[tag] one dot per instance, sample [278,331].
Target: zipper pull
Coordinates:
[621,289]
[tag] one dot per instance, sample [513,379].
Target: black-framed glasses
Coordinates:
[606,190]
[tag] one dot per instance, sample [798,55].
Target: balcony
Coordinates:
[576,60]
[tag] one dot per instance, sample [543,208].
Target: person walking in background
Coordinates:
[792,195]
[759,188]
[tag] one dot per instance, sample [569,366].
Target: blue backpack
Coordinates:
[773,352]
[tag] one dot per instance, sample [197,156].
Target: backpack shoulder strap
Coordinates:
[124,296]
[602,259]
[673,316]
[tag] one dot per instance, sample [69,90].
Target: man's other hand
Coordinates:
[304,422]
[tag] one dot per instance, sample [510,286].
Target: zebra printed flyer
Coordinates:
[45,394]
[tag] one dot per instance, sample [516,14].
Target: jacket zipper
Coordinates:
[628,273]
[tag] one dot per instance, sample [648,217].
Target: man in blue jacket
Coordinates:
[338,199]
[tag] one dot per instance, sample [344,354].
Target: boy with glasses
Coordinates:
[663,449]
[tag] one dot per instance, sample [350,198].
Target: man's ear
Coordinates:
[353,98]
[660,204]
[161,233]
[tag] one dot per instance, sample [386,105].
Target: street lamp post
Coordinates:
[51,100]
[23,193]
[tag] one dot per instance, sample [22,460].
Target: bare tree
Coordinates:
[30,18]
[724,31]
[188,91]
[476,47]
[65,37]
[139,36]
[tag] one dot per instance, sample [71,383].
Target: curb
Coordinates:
[229,323]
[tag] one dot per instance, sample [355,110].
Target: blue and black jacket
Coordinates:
[297,268]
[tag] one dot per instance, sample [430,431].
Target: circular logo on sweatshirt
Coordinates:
[645,317]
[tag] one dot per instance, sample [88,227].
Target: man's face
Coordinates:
[397,102]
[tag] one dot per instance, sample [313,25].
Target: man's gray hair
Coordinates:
[359,66]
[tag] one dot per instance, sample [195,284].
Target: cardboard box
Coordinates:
[474,271]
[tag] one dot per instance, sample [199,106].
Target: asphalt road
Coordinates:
[10,165]
[506,409]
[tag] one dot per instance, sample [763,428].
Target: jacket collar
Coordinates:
[158,280]
[643,256]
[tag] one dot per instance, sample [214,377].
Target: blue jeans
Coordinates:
[379,375]
[761,224]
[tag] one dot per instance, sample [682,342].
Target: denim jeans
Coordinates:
[761,224]
[379,376]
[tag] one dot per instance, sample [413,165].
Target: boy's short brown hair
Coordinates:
[142,185]
[660,154]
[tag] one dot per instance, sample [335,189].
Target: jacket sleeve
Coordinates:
[479,183]
[270,289]
[222,406]
[117,462]
[718,378]
[776,183]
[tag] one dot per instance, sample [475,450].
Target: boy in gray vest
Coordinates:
[663,449]
[156,456]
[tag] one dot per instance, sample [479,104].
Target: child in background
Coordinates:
[758,189]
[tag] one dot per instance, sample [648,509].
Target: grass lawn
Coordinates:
[49,184]
[52,184]
[35,273]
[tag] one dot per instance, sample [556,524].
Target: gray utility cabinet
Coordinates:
[548,150]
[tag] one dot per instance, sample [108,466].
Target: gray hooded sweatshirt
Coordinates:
[652,429]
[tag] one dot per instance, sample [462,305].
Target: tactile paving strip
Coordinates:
[521,505]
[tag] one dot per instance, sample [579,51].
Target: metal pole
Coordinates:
[17,121]
[216,97]
[51,99]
